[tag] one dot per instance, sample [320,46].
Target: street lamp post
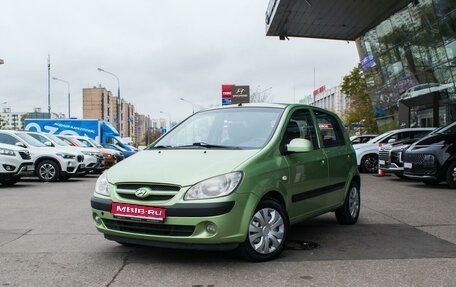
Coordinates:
[69,97]
[119,100]
[193,106]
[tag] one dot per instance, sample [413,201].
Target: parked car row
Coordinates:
[50,157]
[426,155]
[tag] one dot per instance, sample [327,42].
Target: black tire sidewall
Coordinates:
[363,166]
[245,249]
[56,167]
[343,215]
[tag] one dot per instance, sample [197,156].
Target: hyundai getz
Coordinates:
[234,177]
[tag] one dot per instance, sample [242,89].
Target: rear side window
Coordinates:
[331,132]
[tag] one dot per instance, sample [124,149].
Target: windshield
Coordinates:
[380,137]
[30,140]
[448,129]
[84,142]
[57,140]
[94,143]
[237,127]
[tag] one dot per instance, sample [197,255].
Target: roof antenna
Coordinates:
[240,105]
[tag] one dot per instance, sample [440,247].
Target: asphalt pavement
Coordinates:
[405,236]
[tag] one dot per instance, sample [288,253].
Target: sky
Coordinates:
[161,51]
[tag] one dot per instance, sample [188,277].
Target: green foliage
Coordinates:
[360,108]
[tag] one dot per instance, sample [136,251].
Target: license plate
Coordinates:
[138,211]
[381,162]
[407,165]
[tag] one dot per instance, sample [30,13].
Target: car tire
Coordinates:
[348,213]
[369,163]
[451,175]
[48,170]
[268,232]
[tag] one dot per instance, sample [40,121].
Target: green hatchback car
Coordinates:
[234,177]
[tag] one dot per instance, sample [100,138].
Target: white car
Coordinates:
[15,161]
[425,88]
[367,153]
[100,166]
[91,156]
[51,164]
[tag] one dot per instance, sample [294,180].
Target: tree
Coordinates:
[360,109]
[152,135]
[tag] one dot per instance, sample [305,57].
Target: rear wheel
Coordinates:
[451,175]
[349,212]
[48,170]
[267,234]
[369,163]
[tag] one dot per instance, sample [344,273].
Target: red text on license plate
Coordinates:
[138,211]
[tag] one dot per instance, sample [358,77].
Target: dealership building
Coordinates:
[407,50]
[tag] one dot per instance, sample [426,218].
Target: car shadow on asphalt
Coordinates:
[323,239]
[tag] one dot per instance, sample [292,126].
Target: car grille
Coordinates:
[384,155]
[158,193]
[149,228]
[419,164]
[414,158]
[25,155]
[80,158]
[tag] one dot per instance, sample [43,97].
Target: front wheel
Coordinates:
[267,234]
[348,213]
[451,175]
[48,170]
[369,163]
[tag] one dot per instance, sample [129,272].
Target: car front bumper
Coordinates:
[186,225]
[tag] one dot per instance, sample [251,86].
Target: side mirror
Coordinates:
[48,143]
[299,145]
[21,144]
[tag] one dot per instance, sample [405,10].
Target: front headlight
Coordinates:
[218,186]
[66,155]
[6,151]
[89,153]
[102,185]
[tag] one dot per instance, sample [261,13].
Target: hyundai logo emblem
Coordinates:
[142,192]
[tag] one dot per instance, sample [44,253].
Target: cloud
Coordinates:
[160,50]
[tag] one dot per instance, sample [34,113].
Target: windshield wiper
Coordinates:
[162,146]
[206,145]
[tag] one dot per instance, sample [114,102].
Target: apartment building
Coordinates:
[99,103]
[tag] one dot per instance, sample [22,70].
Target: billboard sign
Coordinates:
[240,94]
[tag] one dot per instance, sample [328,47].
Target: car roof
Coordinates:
[383,135]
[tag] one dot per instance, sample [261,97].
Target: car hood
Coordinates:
[177,167]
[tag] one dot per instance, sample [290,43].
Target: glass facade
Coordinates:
[409,62]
